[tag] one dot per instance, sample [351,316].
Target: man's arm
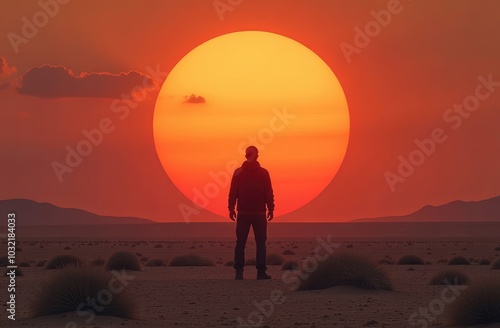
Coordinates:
[269,197]
[233,195]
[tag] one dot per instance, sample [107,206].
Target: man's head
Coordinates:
[251,153]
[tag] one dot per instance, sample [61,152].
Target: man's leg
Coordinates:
[242,229]
[260,232]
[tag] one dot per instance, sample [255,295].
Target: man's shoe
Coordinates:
[263,275]
[239,275]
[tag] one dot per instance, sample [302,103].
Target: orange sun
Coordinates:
[250,88]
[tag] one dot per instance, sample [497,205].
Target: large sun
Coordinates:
[250,88]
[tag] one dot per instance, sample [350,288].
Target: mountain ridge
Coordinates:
[486,210]
[29,212]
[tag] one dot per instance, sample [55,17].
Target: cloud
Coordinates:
[5,69]
[193,99]
[58,81]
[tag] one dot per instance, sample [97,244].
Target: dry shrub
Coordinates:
[123,260]
[458,260]
[347,269]
[478,304]
[60,261]
[71,288]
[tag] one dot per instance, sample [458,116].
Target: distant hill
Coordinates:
[487,210]
[29,212]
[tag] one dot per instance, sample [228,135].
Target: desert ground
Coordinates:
[208,296]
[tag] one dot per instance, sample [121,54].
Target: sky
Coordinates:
[79,82]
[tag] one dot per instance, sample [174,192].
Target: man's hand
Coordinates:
[232,215]
[270,215]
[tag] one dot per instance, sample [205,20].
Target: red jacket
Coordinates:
[251,188]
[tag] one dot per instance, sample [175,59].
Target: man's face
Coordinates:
[251,154]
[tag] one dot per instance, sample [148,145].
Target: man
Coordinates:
[251,188]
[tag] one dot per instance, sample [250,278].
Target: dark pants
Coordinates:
[259,224]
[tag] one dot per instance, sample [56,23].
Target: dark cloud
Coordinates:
[193,99]
[57,82]
[5,69]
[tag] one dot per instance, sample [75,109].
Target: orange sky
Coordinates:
[399,86]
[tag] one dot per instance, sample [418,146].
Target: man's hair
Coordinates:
[251,153]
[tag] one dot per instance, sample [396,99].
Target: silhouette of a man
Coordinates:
[251,189]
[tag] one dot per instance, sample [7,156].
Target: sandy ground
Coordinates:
[209,297]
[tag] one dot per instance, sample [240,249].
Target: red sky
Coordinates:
[399,86]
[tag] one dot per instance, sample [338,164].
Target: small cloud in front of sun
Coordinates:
[194,99]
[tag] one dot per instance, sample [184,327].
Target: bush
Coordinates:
[484,262]
[496,265]
[190,260]
[123,260]
[274,259]
[497,248]
[97,262]
[67,289]
[155,263]
[347,269]
[288,252]
[290,265]
[60,261]
[458,260]
[410,260]
[479,304]
[449,277]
